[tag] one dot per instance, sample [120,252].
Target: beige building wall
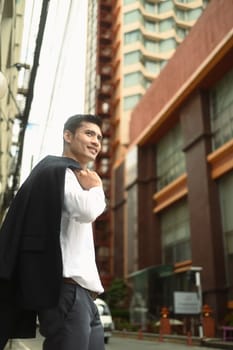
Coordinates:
[11,27]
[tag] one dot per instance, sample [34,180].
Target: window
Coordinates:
[151,45]
[132,79]
[181,32]
[194,14]
[132,16]
[170,159]
[149,7]
[152,66]
[165,6]
[151,26]
[132,57]
[167,45]
[132,37]
[182,15]
[221,111]
[131,101]
[190,15]
[176,233]
[166,25]
[226,201]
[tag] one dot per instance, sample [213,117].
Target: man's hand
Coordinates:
[88,179]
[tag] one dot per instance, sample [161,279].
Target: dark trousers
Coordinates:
[73,325]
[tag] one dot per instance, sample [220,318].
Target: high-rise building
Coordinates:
[98,100]
[128,44]
[146,35]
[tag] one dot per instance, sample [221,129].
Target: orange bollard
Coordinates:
[140,334]
[165,326]
[160,336]
[208,322]
[189,338]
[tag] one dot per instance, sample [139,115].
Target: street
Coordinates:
[135,344]
[115,343]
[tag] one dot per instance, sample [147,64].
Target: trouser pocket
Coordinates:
[52,320]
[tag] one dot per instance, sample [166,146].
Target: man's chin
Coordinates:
[92,158]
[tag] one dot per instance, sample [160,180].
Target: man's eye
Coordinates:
[93,134]
[89,133]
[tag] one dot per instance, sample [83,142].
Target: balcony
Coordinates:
[188,5]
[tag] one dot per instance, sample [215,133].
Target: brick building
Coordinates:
[173,189]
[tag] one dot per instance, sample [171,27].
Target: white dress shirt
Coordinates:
[81,208]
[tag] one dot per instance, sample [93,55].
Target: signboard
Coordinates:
[187,303]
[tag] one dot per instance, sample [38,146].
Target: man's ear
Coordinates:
[67,136]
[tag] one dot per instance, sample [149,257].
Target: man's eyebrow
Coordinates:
[99,136]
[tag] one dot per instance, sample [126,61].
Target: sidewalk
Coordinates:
[176,340]
[217,343]
[25,344]
[167,343]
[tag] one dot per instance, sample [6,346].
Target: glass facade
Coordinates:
[170,159]
[175,230]
[132,230]
[221,110]
[226,200]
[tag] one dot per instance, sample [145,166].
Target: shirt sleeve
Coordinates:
[84,205]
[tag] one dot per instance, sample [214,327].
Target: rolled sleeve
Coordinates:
[85,205]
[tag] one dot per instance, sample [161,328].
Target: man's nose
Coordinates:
[95,141]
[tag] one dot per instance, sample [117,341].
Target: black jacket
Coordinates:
[30,253]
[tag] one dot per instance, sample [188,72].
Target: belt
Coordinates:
[69,280]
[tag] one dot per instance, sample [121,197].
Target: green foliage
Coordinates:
[120,313]
[229,319]
[117,293]
[122,325]
[117,299]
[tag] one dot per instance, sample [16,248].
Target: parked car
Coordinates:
[106,318]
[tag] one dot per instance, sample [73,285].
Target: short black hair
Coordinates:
[75,121]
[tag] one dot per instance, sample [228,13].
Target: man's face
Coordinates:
[85,144]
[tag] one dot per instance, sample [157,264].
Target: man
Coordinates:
[47,259]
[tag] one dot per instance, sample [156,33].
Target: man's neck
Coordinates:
[83,166]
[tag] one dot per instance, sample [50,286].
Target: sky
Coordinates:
[60,83]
